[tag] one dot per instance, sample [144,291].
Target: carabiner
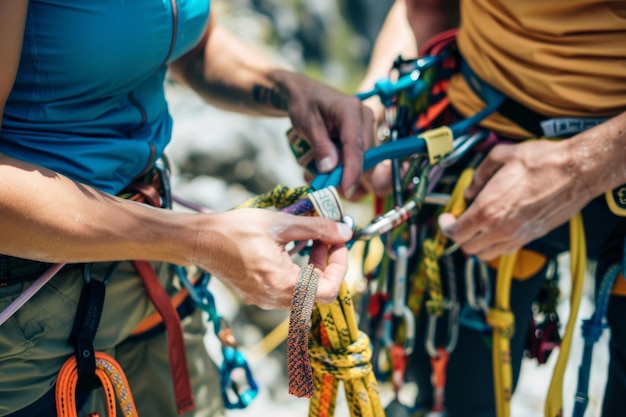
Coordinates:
[409,329]
[400,280]
[461,146]
[474,311]
[478,303]
[200,294]
[234,360]
[452,305]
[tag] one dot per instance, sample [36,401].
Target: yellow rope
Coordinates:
[578,259]
[502,321]
[340,352]
[280,197]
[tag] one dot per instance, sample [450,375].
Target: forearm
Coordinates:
[395,38]
[47,217]
[230,74]
[598,156]
[427,18]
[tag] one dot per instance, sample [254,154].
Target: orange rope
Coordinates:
[113,380]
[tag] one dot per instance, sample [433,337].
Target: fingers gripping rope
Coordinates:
[299,369]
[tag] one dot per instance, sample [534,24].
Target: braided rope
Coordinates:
[113,380]
[340,352]
[279,197]
[300,374]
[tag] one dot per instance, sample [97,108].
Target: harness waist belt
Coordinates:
[14,270]
[528,119]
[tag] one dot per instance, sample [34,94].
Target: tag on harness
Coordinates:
[439,143]
[301,148]
[616,200]
[327,204]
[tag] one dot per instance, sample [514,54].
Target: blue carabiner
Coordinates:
[200,294]
[233,360]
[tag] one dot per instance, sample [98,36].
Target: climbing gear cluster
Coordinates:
[410,268]
[412,273]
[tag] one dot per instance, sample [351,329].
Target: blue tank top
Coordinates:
[89,99]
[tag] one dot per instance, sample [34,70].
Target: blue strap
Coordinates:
[386,90]
[592,329]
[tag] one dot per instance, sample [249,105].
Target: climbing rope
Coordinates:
[578,260]
[341,352]
[299,372]
[114,384]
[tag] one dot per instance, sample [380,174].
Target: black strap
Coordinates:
[533,122]
[84,331]
[14,270]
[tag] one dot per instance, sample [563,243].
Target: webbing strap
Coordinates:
[528,119]
[592,329]
[502,321]
[175,343]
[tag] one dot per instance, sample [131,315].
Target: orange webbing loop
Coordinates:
[155,318]
[113,381]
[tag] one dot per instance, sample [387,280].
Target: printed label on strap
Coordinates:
[567,126]
[616,200]
[439,143]
[327,204]
[300,147]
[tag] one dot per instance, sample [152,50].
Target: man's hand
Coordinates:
[518,193]
[331,120]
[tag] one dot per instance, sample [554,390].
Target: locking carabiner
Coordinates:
[237,392]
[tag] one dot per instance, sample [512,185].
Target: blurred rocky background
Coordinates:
[220,159]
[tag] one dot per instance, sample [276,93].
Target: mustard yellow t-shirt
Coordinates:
[556,57]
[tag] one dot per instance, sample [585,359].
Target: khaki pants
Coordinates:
[33,345]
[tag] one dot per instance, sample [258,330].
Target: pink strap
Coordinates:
[28,293]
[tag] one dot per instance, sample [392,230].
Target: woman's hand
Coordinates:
[245,248]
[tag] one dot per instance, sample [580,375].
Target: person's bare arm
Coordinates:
[395,38]
[523,191]
[47,217]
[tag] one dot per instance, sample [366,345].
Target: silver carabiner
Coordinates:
[453,307]
[409,325]
[477,303]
